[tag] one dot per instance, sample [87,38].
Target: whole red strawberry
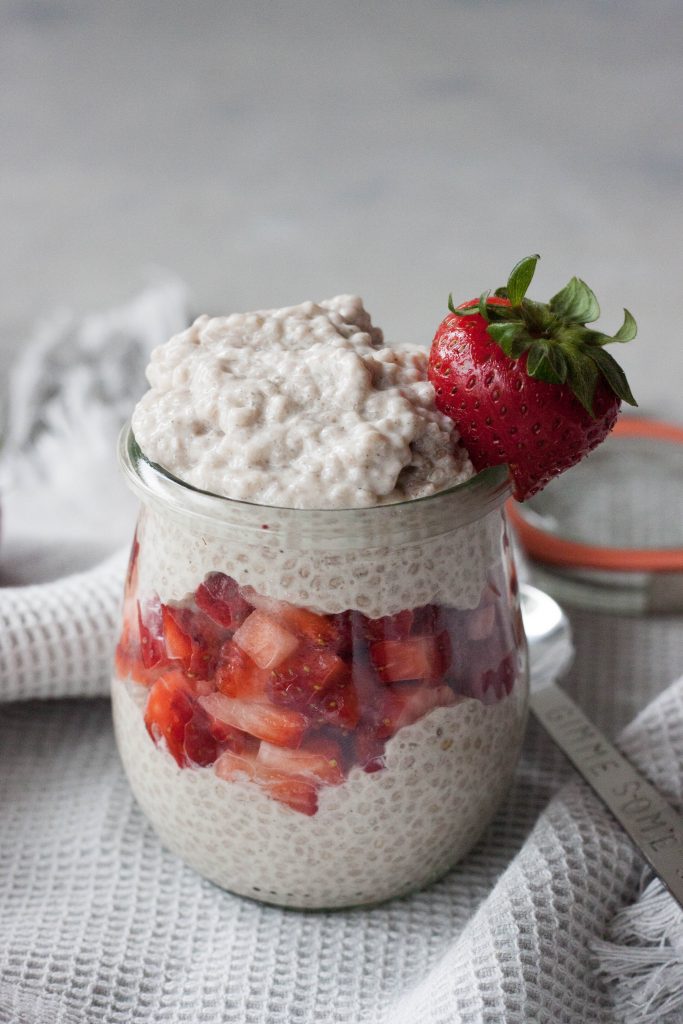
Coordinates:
[528,383]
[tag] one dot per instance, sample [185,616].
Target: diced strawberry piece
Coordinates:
[320,761]
[338,705]
[168,711]
[201,687]
[128,659]
[427,619]
[232,739]
[347,637]
[235,765]
[296,793]
[408,702]
[319,629]
[178,640]
[316,628]
[219,597]
[480,622]
[370,693]
[122,661]
[310,670]
[265,640]
[367,684]
[124,651]
[174,714]
[369,750]
[318,683]
[390,627]
[192,735]
[150,625]
[507,674]
[301,796]
[238,676]
[139,674]
[421,657]
[192,639]
[201,746]
[269,605]
[493,684]
[282,726]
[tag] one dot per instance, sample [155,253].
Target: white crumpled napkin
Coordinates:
[67,515]
[98,923]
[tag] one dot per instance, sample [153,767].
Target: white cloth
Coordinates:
[98,923]
[67,508]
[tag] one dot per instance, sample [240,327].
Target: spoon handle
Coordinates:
[652,823]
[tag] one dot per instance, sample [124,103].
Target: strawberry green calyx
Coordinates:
[559,345]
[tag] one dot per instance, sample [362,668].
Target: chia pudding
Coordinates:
[320,686]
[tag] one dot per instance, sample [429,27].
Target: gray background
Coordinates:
[270,152]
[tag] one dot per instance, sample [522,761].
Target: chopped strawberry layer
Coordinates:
[280,726]
[235,765]
[407,702]
[337,706]
[481,622]
[172,715]
[291,790]
[150,625]
[238,676]
[420,657]
[308,679]
[369,748]
[390,627]
[301,796]
[220,598]
[319,629]
[265,640]
[192,639]
[320,762]
[291,700]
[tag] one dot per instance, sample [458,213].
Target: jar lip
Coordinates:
[484,491]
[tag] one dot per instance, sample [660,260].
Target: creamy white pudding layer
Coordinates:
[177,553]
[301,407]
[374,836]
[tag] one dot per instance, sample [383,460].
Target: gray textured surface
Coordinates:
[272,152]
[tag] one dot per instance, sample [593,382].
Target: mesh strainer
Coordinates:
[609,533]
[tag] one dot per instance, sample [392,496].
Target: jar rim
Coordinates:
[433,514]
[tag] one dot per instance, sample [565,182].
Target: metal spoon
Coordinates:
[653,825]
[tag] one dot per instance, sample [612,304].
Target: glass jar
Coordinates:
[319,708]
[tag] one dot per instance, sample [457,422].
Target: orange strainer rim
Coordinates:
[553,550]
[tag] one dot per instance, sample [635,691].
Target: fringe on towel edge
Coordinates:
[642,958]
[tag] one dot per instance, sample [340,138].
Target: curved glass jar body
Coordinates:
[319,708]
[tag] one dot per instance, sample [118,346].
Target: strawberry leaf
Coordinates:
[483,299]
[582,375]
[613,374]
[576,303]
[538,363]
[536,317]
[537,352]
[512,338]
[628,329]
[520,279]
[469,311]
[558,363]
[499,314]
